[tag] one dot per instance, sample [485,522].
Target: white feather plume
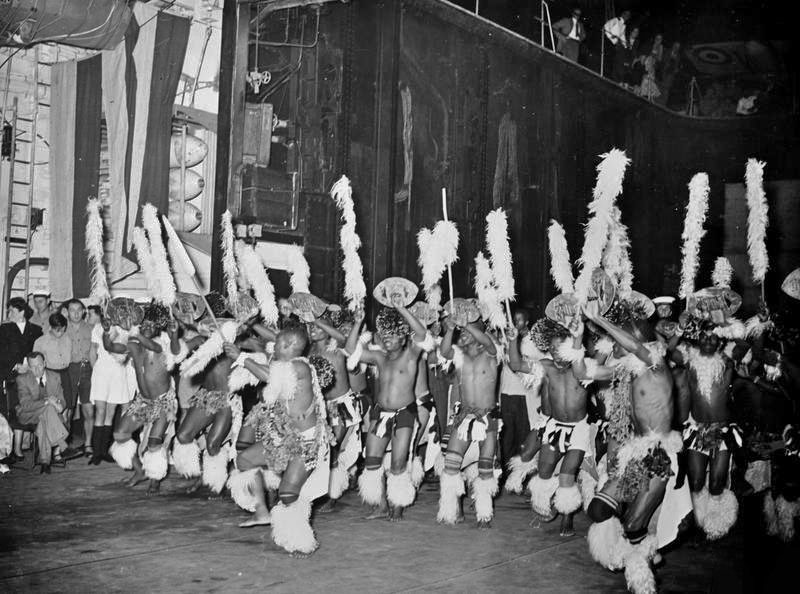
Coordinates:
[240,376]
[560,264]
[145,259]
[177,251]
[438,249]
[616,257]
[757,219]
[163,281]
[610,173]
[229,269]
[298,269]
[723,273]
[94,248]
[209,350]
[693,232]
[487,293]
[257,280]
[500,253]
[355,291]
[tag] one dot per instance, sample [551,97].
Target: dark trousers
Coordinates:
[516,426]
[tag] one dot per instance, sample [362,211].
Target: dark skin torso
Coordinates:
[151,371]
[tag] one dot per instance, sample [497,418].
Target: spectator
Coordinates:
[570,33]
[80,368]
[632,67]
[648,87]
[40,401]
[56,347]
[614,30]
[42,310]
[669,69]
[16,338]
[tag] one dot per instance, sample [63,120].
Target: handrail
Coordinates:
[545,9]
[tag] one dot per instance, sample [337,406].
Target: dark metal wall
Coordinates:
[471,86]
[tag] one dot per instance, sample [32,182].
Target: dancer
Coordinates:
[292,442]
[567,436]
[155,406]
[475,359]
[639,408]
[394,413]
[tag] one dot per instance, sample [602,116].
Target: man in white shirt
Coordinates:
[570,34]
[614,30]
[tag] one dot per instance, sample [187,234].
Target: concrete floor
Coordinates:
[79,530]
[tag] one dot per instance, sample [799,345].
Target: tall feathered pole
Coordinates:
[757,220]
[723,273]
[560,265]
[449,264]
[229,268]
[693,232]
[438,251]
[610,173]
[500,257]
[355,291]
[145,258]
[298,269]
[94,250]
[487,293]
[164,282]
[257,279]
[616,257]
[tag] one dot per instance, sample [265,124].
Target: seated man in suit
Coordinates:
[41,400]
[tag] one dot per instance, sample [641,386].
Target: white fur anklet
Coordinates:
[370,486]
[451,489]
[483,492]
[542,491]
[400,490]
[123,453]
[215,469]
[291,528]
[186,458]
[155,464]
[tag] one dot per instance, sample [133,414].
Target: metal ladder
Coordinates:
[22,218]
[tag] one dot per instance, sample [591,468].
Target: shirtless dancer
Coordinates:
[155,406]
[567,434]
[645,452]
[292,436]
[709,434]
[344,405]
[394,412]
[215,407]
[475,361]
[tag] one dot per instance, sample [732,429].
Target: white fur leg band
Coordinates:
[155,464]
[542,491]
[417,471]
[370,486]
[291,528]
[215,470]
[567,499]
[186,458]
[518,472]
[123,453]
[272,480]
[483,492]
[400,490]
[338,482]
[607,544]
[720,514]
[243,485]
[451,489]
[638,573]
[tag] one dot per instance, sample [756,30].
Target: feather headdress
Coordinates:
[757,219]
[487,293]
[297,267]
[355,291]
[500,253]
[693,232]
[145,259]
[723,273]
[560,265]
[229,268]
[616,257]
[163,281]
[610,173]
[94,249]
[257,280]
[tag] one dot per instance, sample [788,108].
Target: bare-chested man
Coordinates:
[644,456]
[155,406]
[567,435]
[394,413]
[709,434]
[292,437]
[475,359]
[344,406]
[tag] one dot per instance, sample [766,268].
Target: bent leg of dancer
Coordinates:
[215,458]
[544,485]
[155,460]
[370,483]
[451,483]
[568,497]
[249,462]
[124,450]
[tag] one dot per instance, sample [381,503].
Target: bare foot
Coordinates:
[378,512]
[327,507]
[138,477]
[484,525]
[299,555]
[257,520]
[195,486]
[538,520]
[213,496]
[396,514]
[567,529]
[154,487]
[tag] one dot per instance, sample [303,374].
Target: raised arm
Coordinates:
[331,331]
[626,340]
[267,334]
[418,331]
[260,371]
[482,338]
[353,346]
